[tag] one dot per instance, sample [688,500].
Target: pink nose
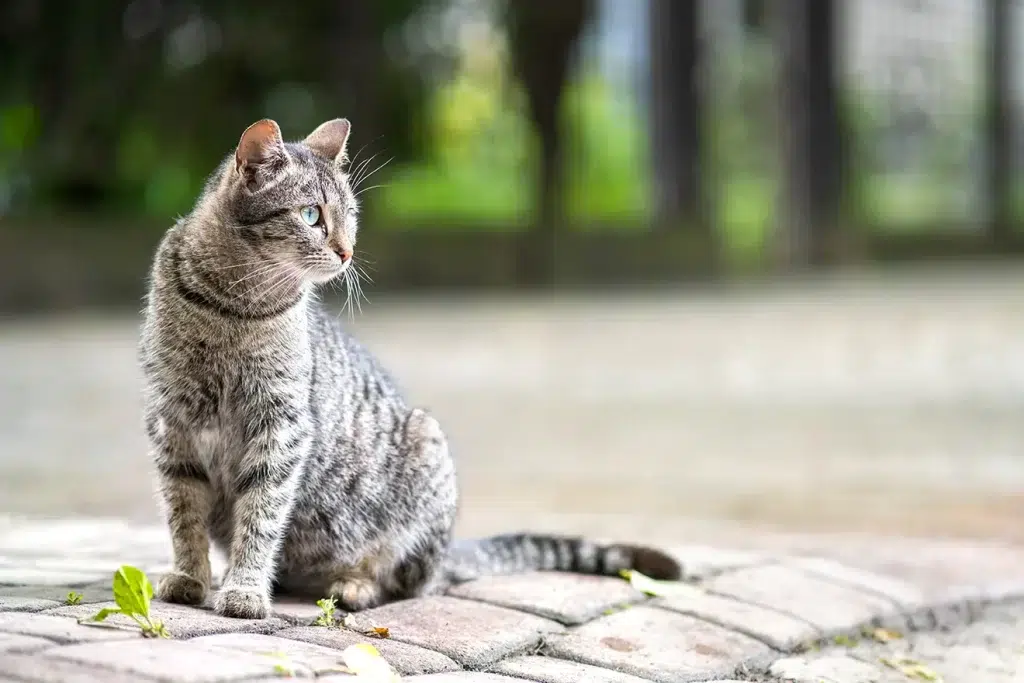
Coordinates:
[343,254]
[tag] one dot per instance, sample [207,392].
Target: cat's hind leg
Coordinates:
[408,562]
[421,551]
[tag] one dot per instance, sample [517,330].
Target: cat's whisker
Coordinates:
[361,272]
[228,266]
[274,287]
[369,175]
[371,187]
[348,296]
[265,270]
[356,175]
[361,149]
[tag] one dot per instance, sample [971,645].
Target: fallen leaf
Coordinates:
[353,623]
[912,668]
[655,587]
[885,635]
[366,663]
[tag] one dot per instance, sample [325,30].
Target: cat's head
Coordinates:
[292,203]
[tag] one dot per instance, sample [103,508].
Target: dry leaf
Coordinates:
[353,624]
[885,635]
[366,663]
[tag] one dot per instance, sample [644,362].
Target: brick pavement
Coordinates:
[773,615]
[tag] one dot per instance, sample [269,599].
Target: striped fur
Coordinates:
[279,439]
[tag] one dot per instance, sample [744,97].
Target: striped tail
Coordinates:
[523,552]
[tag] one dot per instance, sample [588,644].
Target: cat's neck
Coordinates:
[218,266]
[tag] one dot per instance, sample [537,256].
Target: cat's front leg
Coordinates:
[184,489]
[265,487]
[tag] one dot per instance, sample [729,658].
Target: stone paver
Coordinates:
[780,630]
[658,644]
[566,598]
[304,658]
[169,660]
[58,629]
[552,670]
[703,561]
[12,603]
[35,669]
[181,621]
[406,658]
[299,612]
[987,651]
[902,593]
[765,617]
[465,677]
[472,633]
[830,669]
[13,643]
[828,606]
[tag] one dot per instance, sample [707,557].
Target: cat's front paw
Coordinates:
[242,603]
[182,589]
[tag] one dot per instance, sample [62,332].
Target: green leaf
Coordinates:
[104,613]
[132,591]
[664,589]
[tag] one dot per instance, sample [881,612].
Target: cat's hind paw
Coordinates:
[354,595]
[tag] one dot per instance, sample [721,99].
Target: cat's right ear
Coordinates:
[260,151]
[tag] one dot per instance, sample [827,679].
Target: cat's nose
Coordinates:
[344,254]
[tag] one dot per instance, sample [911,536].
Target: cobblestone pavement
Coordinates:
[775,614]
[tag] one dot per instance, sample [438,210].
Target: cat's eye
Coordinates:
[310,215]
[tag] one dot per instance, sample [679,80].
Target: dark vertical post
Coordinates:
[999,132]
[811,144]
[675,110]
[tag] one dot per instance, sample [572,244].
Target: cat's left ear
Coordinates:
[330,139]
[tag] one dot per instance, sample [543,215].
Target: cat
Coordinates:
[277,437]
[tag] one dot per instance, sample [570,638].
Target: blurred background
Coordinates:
[655,264]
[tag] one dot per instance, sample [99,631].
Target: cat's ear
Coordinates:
[330,139]
[261,146]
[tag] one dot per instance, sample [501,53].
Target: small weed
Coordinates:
[327,608]
[73,598]
[132,593]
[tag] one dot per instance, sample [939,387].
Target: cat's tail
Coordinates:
[523,552]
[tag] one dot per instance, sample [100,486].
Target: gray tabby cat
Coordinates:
[277,436]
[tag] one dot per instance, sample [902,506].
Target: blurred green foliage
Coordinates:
[115,108]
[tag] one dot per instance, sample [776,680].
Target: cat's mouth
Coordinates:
[321,272]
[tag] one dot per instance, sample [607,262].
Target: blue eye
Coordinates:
[310,215]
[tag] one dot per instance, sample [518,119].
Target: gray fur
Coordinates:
[278,437]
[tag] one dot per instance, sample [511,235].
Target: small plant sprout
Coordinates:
[327,608]
[132,594]
[73,598]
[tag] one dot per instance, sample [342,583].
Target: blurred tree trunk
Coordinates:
[999,128]
[542,39]
[680,201]
[811,140]
[355,42]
